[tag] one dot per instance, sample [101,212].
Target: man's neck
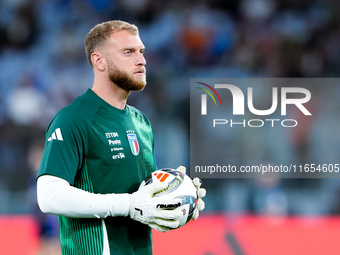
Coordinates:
[111,93]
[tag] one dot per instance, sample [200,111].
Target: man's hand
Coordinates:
[201,192]
[143,208]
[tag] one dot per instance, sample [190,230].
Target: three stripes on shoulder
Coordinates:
[56,135]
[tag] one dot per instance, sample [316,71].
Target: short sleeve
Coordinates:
[66,140]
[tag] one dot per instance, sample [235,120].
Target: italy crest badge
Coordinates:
[133,143]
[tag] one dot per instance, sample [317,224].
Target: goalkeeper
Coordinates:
[97,152]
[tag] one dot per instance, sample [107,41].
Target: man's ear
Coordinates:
[98,61]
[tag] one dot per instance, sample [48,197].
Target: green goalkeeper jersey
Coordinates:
[100,149]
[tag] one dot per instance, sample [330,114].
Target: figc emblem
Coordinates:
[133,144]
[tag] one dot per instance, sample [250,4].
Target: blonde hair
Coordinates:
[99,34]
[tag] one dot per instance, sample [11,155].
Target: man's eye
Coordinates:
[128,52]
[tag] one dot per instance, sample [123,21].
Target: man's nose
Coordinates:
[140,59]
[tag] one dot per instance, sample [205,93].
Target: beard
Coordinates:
[125,80]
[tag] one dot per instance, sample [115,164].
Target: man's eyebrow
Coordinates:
[132,49]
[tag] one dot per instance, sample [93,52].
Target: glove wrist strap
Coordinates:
[120,205]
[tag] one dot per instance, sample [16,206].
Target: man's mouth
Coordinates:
[139,72]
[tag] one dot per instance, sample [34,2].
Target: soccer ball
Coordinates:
[179,186]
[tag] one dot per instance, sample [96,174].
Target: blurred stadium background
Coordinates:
[43,68]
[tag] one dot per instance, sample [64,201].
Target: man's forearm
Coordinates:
[57,196]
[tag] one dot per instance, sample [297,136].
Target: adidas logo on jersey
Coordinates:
[56,135]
